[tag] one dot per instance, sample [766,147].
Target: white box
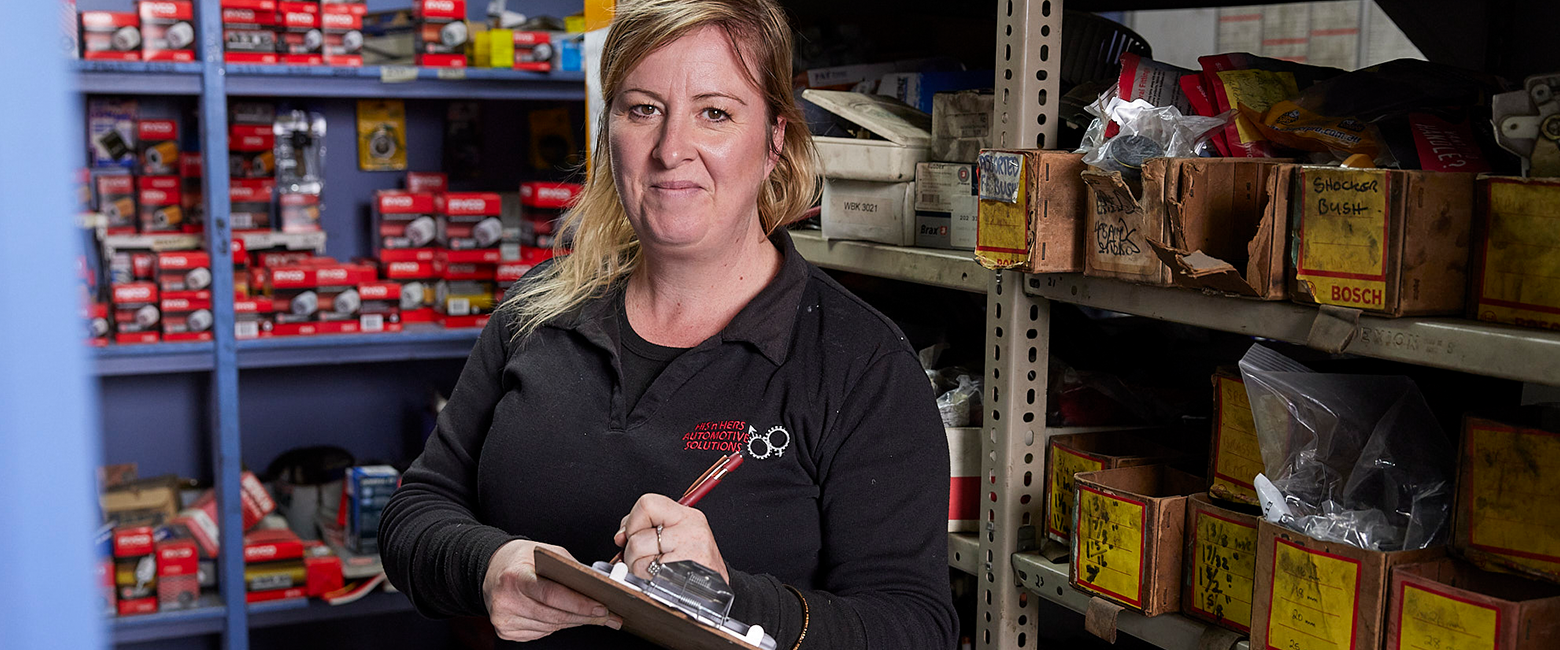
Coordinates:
[946,205]
[879,212]
[907,134]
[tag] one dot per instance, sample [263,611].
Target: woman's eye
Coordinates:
[716,115]
[642,110]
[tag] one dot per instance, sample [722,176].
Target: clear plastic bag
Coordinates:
[1146,131]
[1358,459]
[959,407]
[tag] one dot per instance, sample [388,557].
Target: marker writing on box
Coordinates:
[702,486]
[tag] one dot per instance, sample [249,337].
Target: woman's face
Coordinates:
[690,144]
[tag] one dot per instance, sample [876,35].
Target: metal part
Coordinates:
[1527,123]
[941,268]
[1028,83]
[964,552]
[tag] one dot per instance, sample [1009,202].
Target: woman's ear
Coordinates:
[776,143]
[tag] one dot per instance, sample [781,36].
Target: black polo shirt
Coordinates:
[842,494]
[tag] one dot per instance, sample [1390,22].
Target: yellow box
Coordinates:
[1236,459]
[1517,270]
[501,48]
[1506,486]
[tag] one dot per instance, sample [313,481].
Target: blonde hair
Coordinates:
[605,249]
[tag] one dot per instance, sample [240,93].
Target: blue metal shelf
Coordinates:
[421,342]
[168,625]
[208,620]
[410,83]
[137,77]
[153,359]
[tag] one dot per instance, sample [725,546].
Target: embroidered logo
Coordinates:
[721,435]
[773,442]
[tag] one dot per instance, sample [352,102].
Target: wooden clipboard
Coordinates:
[642,615]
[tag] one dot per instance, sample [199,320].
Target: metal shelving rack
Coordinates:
[212,82]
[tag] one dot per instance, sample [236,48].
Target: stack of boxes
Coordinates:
[342,24]
[167,30]
[251,165]
[300,40]
[249,31]
[110,36]
[184,281]
[442,33]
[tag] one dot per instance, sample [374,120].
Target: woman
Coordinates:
[684,326]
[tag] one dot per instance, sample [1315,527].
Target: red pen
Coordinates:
[703,485]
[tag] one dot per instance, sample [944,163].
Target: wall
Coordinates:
[1318,33]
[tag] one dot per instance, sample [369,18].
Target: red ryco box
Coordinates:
[549,196]
[339,18]
[410,255]
[468,204]
[272,545]
[201,516]
[177,557]
[345,6]
[190,165]
[380,291]
[160,199]
[381,306]
[248,12]
[427,182]
[159,190]
[469,256]
[98,29]
[251,190]
[138,606]
[157,130]
[275,594]
[250,137]
[441,60]
[403,202]
[410,270]
[298,8]
[466,271]
[312,328]
[459,322]
[260,58]
[451,9]
[184,271]
[133,541]
[303,59]
[533,51]
[135,293]
[252,318]
[322,569]
[167,33]
[186,315]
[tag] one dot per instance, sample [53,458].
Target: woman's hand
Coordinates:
[660,530]
[524,606]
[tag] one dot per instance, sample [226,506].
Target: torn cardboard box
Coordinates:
[1030,216]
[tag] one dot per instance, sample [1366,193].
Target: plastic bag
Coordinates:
[1358,459]
[959,406]
[1147,131]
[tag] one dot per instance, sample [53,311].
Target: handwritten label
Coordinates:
[1343,237]
[1115,238]
[1065,462]
[1510,470]
[1522,256]
[1436,621]
[1118,230]
[1110,545]
[1001,176]
[1226,568]
[1237,456]
[1312,599]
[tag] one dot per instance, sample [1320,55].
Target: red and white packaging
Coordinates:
[470,227]
[448,270]
[462,322]
[138,606]
[137,318]
[431,182]
[542,206]
[533,51]
[250,151]
[249,31]
[116,202]
[251,203]
[192,193]
[252,318]
[404,220]
[300,212]
[417,278]
[133,541]
[99,326]
[201,517]
[275,594]
[110,36]
[354,7]
[316,292]
[316,327]
[342,26]
[509,273]
[442,33]
[161,199]
[322,569]
[184,271]
[167,30]
[178,585]
[381,308]
[272,545]
[300,40]
[159,142]
[186,316]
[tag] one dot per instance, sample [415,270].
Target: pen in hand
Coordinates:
[703,485]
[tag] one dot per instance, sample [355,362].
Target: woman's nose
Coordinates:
[674,147]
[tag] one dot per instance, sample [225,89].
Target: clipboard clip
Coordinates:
[694,590]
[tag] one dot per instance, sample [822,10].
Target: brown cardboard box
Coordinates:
[1032,205]
[1221,564]
[1317,595]
[1129,524]
[1216,224]
[1506,487]
[148,502]
[1517,254]
[1389,242]
[1069,454]
[1451,605]
[1236,458]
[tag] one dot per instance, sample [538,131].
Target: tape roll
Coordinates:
[180,36]
[126,39]
[198,278]
[199,320]
[487,232]
[421,231]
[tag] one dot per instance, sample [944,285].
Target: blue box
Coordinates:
[368,492]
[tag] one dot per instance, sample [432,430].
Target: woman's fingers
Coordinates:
[558,597]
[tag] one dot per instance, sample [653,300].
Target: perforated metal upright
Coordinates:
[1028,57]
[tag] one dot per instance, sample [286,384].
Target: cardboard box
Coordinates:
[1322,595]
[404,220]
[469,225]
[1517,255]
[533,51]
[201,516]
[963,479]
[1215,224]
[160,199]
[111,132]
[1221,564]
[147,502]
[110,36]
[918,89]
[945,205]
[1031,213]
[251,201]
[381,308]
[300,40]
[159,141]
[1389,242]
[1448,604]
[1506,481]
[136,316]
[961,125]
[442,33]
[1129,524]
[249,31]
[116,202]
[167,30]
[1071,454]
[1236,457]
[342,26]
[869,211]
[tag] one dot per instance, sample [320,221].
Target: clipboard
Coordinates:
[644,616]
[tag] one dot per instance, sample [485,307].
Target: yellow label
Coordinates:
[1510,471]
[381,131]
[1312,600]
[1522,256]
[1064,464]
[1002,227]
[1239,458]
[1343,236]
[1110,545]
[1226,568]
[1257,90]
[1434,621]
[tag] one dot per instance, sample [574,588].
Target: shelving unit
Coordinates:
[402,82]
[208,619]
[137,77]
[418,342]
[940,268]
